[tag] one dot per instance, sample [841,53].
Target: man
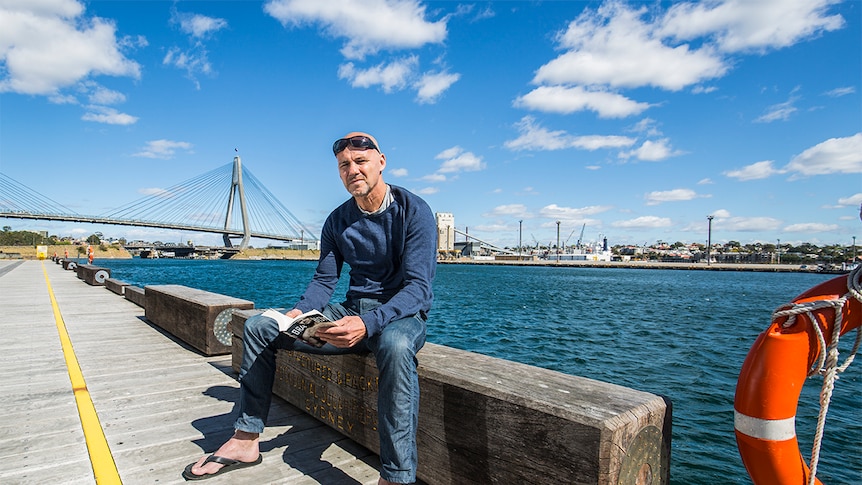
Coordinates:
[387,236]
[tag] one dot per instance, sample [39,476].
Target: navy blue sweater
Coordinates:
[392,258]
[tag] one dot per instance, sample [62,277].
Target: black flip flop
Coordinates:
[228,466]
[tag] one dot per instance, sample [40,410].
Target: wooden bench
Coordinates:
[136,295]
[117,286]
[190,315]
[93,275]
[487,420]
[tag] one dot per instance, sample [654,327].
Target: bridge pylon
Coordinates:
[236,187]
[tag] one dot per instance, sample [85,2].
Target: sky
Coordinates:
[631,121]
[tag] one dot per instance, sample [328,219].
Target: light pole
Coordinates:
[778,251]
[854,249]
[558,241]
[520,233]
[708,239]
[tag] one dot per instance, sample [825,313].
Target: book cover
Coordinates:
[304,327]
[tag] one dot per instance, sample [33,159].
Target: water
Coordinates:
[681,334]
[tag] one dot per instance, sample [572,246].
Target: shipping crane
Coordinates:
[581,237]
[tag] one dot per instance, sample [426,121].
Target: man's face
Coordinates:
[360,170]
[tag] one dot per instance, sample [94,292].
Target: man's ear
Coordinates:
[382,162]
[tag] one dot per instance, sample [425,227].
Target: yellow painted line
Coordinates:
[104,468]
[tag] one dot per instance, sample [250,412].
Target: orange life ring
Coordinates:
[771,380]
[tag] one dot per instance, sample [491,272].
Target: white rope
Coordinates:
[827,362]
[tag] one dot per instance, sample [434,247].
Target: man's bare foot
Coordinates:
[241,446]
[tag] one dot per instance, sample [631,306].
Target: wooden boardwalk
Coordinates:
[160,404]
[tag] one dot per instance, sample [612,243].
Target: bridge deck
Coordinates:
[160,404]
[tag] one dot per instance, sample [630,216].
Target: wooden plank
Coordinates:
[190,314]
[161,404]
[117,286]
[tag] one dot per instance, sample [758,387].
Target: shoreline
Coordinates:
[265,254]
[767,268]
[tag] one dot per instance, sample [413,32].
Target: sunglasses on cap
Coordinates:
[360,142]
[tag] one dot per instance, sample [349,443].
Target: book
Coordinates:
[303,327]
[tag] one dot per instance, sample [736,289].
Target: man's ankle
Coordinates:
[245,435]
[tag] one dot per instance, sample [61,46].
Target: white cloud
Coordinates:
[48,46]
[516,211]
[397,172]
[434,178]
[744,25]
[580,214]
[653,151]
[457,160]
[567,100]
[103,95]
[194,59]
[811,227]
[615,46]
[102,114]
[390,77]
[643,222]
[493,227]
[164,149]
[675,195]
[703,89]
[198,25]
[780,111]
[835,155]
[397,24]
[647,127]
[427,191]
[535,137]
[838,92]
[854,200]
[725,222]
[755,171]
[431,86]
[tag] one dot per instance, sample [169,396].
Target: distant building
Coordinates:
[309,245]
[445,231]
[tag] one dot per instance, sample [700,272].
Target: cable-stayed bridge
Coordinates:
[228,200]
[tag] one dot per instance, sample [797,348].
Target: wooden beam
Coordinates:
[488,420]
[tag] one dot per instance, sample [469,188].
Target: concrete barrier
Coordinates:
[487,420]
[190,315]
[93,275]
[136,295]
[115,285]
[70,265]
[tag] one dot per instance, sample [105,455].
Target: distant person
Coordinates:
[387,236]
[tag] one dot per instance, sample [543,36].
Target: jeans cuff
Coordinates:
[249,424]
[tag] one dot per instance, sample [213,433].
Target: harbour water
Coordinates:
[678,333]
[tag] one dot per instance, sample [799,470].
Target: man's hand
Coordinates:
[294,313]
[349,332]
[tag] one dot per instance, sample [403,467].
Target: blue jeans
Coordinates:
[395,351]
